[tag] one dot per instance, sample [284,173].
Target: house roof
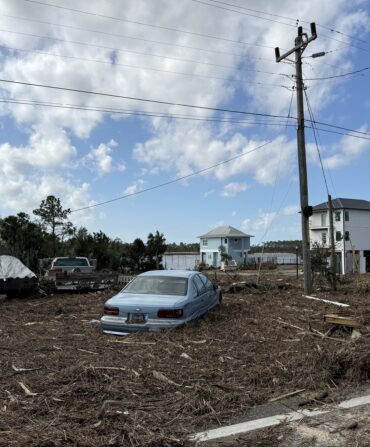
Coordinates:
[340,203]
[225,231]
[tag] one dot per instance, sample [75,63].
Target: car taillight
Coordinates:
[109,310]
[170,313]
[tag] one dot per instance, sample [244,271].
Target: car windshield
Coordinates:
[70,262]
[158,285]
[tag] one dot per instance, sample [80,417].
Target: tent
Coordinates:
[15,277]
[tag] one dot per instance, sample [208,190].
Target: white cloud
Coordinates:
[348,150]
[192,147]
[102,160]
[46,149]
[232,189]
[341,154]
[134,188]
[290,210]
[178,147]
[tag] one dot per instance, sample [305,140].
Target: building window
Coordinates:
[346,216]
[323,238]
[337,216]
[225,241]
[205,242]
[323,219]
[338,236]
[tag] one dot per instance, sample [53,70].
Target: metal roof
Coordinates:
[225,231]
[340,203]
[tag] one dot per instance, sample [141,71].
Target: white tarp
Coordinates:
[11,267]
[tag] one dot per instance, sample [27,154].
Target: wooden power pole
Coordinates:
[300,44]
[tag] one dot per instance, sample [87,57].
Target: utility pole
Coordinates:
[332,246]
[300,44]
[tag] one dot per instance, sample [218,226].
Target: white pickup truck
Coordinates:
[71,265]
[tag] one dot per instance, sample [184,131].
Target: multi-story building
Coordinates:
[226,240]
[351,219]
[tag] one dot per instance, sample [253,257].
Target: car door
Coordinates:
[210,296]
[200,299]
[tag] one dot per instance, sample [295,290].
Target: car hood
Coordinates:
[145,300]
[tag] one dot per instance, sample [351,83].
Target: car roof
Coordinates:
[174,273]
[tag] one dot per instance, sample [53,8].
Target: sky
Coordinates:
[92,97]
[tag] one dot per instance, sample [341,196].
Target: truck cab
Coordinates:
[71,265]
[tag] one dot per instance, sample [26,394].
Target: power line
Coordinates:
[339,133]
[239,12]
[175,116]
[178,179]
[150,25]
[328,28]
[132,98]
[316,142]
[191,106]
[338,76]
[119,50]
[137,113]
[125,36]
[117,64]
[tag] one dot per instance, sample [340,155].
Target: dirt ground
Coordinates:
[64,383]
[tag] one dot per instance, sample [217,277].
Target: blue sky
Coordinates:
[213,54]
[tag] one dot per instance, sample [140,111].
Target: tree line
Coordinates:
[52,234]
[278,247]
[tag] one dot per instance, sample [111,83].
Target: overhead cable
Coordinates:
[150,25]
[178,179]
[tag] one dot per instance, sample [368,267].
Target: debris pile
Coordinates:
[64,383]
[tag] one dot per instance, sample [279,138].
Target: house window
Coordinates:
[323,238]
[337,216]
[323,219]
[346,216]
[338,236]
[205,242]
[225,241]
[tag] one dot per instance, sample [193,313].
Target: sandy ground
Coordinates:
[65,383]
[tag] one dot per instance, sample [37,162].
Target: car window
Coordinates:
[158,285]
[208,284]
[199,285]
[194,289]
[70,262]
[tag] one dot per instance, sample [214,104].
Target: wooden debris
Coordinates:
[133,342]
[85,350]
[20,370]
[26,390]
[160,376]
[109,404]
[341,320]
[185,356]
[336,303]
[110,368]
[283,396]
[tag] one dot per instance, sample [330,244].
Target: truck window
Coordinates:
[70,262]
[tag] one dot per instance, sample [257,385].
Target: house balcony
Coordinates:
[318,227]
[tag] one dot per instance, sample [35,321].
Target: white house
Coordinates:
[351,232]
[225,239]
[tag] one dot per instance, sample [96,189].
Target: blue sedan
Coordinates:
[158,300]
